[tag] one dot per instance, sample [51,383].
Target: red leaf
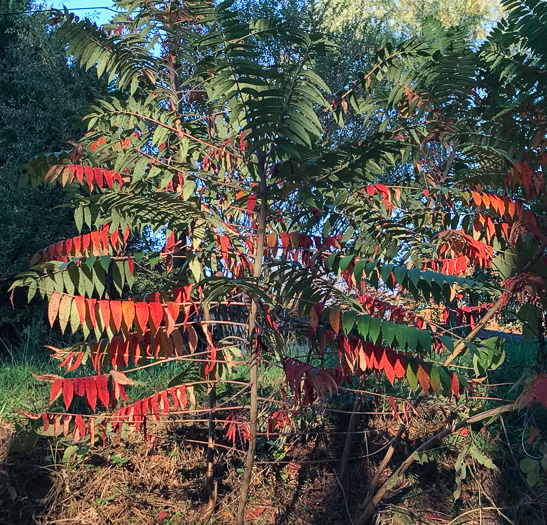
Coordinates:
[104,308]
[89,177]
[224,245]
[79,173]
[68,392]
[156,315]
[116,314]
[79,386]
[154,408]
[389,360]
[251,202]
[108,178]
[86,241]
[56,387]
[171,314]
[164,402]
[175,398]
[95,243]
[455,385]
[91,392]
[102,390]
[105,242]
[142,314]
[98,173]
[181,393]
[45,421]
[79,427]
[315,315]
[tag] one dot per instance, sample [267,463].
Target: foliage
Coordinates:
[407,17]
[221,148]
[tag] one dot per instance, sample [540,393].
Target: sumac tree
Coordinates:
[374,245]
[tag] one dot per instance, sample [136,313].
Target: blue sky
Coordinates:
[88,9]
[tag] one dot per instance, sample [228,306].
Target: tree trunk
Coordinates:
[253,348]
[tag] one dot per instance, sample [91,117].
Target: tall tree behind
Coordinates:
[40,94]
[359,28]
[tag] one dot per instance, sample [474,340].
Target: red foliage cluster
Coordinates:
[316,381]
[527,287]
[92,244]
[531,182]
[472,314]
[94,177]
[134,415]
[456,242]
[236,426]
[356,357]
[125,315]
[397,314]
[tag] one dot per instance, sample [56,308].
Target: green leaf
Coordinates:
[363,325]
[481,458]
[412,374]
[348,321]
[375,329]
[532,470]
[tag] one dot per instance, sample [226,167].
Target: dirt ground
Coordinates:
[161,480]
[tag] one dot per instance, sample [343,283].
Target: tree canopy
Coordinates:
[376,250]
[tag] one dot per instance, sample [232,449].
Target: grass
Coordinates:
[18,389]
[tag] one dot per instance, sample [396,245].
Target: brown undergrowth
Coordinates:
[161,480]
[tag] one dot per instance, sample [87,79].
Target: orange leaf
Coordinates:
[79,300]
[476,198]
[334,319]
[53,307]
[128,313]
[423,378]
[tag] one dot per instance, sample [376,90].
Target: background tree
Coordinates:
[40,96]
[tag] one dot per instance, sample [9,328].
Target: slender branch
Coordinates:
[366,515]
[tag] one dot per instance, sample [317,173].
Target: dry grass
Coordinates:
[162,480]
